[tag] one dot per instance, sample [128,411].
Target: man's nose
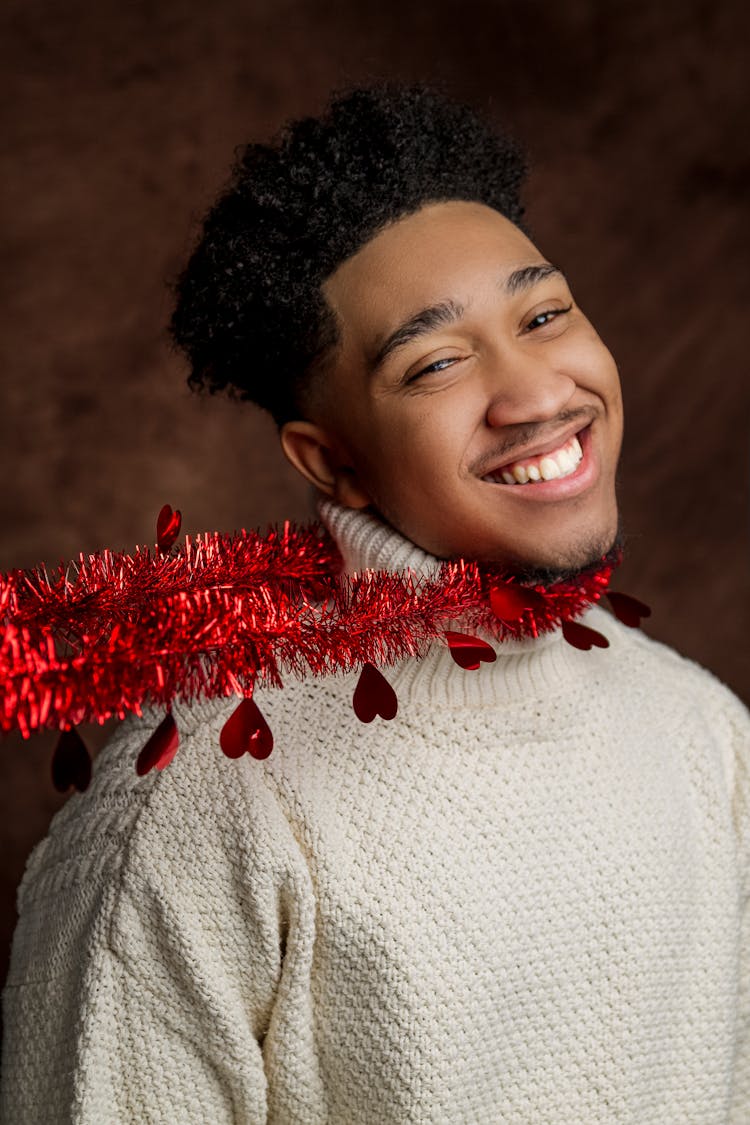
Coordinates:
[524,386]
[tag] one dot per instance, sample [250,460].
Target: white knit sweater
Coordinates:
[522,901]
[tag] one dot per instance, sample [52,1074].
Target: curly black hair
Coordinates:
[249,313]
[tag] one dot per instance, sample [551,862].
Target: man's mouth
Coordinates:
[556,463]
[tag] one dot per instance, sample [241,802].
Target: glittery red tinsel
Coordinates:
[113,632]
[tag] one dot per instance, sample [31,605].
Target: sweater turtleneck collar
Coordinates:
[525,666]
[367,542]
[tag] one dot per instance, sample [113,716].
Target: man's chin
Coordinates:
[590,555]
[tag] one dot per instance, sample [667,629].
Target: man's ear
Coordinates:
[314,454]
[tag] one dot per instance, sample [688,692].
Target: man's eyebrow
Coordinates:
[426,320]
[449,311]
[527,276]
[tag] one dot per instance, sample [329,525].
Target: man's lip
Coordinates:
[538,450]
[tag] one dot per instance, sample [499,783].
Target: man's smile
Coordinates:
[557,462]
[577,467]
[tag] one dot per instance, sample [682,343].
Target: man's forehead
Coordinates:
[411,261]
[433,230]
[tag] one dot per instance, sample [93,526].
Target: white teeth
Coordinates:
[549,468]
[564,462]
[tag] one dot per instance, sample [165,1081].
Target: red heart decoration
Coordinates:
[160,748]
[167,527]
[468,651]
[71,762]
[509,602]
[373,696]
[246,732]
[628,609]
[581,636]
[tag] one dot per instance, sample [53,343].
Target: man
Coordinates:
[523,899]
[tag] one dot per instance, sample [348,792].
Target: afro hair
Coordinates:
[249,314]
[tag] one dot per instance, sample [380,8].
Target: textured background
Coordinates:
[122,120]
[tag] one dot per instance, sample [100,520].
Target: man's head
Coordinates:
[307,294]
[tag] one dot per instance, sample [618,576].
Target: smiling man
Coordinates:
[523,898]
[469,402]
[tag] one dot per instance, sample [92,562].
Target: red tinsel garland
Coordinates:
[114,632]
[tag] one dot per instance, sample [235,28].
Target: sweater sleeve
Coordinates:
[739,720]
[163,951]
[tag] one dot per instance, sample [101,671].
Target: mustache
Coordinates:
[529,435]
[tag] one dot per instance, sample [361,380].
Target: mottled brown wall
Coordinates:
[122,119]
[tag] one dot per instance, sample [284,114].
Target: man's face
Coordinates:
[423,432]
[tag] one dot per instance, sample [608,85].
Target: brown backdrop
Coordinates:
[122,120]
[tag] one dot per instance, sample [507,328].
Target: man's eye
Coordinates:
[433,367]
[545,317]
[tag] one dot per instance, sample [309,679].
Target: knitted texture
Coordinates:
[523,900]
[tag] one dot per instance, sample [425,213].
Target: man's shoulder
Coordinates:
[669,670]
[200,802]
[133,862]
